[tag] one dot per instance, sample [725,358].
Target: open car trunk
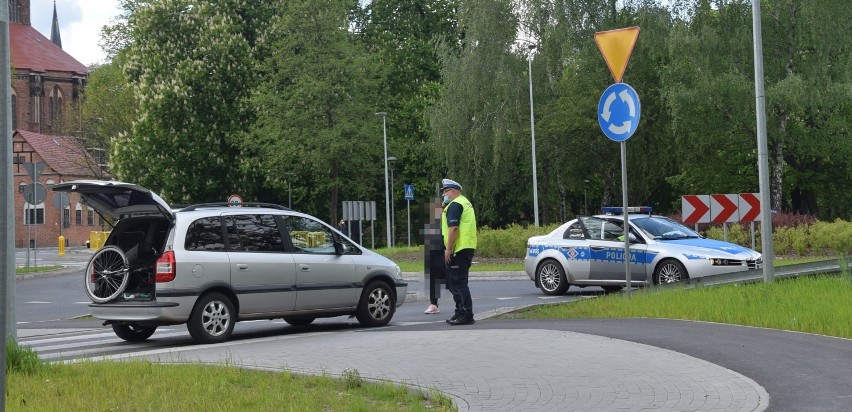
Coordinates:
[142,239]
[124,268]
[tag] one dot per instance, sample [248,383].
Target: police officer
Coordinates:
[458,227]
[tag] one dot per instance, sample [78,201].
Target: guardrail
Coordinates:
[755,275]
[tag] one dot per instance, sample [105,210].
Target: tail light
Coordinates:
[165,271]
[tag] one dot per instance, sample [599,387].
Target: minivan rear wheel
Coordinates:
[132,332]
[377,305]
[212,319]
[299,320]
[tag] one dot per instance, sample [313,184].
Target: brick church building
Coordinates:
[47,84]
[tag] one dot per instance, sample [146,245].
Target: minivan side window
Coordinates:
[253,233]
[205,234]
[309,236]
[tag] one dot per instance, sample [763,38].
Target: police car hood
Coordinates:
[712,247]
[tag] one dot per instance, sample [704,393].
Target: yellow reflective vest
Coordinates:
[467,225]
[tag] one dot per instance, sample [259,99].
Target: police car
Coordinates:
[589,251]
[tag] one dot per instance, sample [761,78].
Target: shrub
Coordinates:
[832,238]
[737,233]
[510,242]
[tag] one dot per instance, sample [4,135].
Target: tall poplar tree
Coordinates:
[477,124]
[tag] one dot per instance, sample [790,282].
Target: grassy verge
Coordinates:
[143,386]
[817,304]
[36,269]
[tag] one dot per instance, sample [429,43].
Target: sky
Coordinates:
[80,23]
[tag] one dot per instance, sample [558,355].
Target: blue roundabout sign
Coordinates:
[618,112]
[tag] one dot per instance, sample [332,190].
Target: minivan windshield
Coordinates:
[661,228]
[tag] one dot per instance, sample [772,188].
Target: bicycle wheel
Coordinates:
[107,274]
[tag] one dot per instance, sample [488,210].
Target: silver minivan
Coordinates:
[211,265]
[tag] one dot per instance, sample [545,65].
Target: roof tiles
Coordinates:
[31,50]
[63,154]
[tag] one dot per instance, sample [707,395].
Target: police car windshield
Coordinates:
[664,229]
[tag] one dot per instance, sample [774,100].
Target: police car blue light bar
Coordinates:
[617,210]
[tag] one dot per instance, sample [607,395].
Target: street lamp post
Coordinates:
[585,204]
[393,212]
[289,190]
[532,47]
[387,190]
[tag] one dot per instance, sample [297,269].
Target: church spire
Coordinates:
[54,32]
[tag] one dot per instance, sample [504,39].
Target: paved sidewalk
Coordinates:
[500,370]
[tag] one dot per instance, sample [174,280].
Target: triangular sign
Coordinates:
[616,47]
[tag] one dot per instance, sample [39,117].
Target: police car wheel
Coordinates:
[670,271]
[551,278]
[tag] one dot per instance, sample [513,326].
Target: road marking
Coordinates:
[38,302]
[509,298]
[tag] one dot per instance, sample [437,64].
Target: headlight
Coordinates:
[398,272]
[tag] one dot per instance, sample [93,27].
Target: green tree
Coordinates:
[402,39]
[477,123]
[108,108]
[710,95]
[192,67]
[314,121]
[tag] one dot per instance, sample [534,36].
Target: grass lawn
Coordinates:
[146,386]
[818,304]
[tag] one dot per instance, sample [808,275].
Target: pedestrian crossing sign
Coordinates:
[409,192]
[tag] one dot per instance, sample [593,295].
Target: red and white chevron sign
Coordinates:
[695,209]
[720,208]
[724,208]
[750,207]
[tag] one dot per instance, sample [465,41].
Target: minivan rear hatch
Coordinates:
[117,199]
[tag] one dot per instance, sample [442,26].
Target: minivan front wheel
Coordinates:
[212,319]
[377,305]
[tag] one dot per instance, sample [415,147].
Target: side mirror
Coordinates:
[338,248]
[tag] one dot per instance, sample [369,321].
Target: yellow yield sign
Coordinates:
[616,47]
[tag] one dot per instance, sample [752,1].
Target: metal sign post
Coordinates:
[409,196]
[371,209]
[359,214]
[35,194]
[618,113]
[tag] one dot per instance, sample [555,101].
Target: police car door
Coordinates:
[574,249]
[607,252]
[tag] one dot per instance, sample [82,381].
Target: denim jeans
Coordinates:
[457,274]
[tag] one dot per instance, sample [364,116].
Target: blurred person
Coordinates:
[433,259]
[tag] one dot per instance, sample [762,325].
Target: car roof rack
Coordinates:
[226,204]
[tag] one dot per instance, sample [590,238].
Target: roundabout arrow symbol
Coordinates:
[624,128]
[625,97]
[606,113]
